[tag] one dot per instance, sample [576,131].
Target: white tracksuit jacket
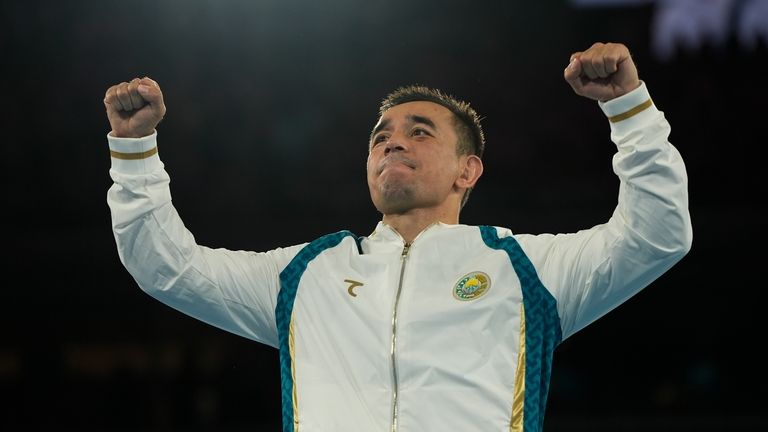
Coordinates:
[453,332]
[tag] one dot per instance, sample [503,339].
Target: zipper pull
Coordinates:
[405,250]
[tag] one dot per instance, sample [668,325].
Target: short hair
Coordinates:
[466,120]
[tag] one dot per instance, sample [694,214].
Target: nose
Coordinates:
[394,144]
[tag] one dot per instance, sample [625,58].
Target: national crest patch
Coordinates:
[471,286]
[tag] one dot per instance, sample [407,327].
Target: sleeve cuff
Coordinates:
[134,155]
[635,103]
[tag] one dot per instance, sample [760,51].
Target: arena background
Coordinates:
[270,104]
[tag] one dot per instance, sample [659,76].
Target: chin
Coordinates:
[394,201]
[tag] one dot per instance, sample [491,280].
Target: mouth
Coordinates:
[393,161]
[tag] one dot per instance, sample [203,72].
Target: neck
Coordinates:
[409,224]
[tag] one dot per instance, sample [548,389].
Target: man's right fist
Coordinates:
[134,108]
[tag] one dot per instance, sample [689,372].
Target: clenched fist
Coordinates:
[134,108]
[603,72]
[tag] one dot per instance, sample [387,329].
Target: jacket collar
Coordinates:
[386,234]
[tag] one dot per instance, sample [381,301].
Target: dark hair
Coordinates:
[466,119]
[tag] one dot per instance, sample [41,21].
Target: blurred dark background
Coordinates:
[270,103]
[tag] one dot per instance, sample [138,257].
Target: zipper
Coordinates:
[403,260]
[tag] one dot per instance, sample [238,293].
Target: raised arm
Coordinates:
[232,290]
[592,271]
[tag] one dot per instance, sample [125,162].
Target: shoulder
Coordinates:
[331,240]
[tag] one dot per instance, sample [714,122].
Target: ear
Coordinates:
[471,170]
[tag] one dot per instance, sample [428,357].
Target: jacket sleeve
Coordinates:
[233,290]
[592,271]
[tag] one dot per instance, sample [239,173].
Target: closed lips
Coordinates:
[396,159]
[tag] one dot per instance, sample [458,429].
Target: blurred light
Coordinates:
[752,23]
[693,24]
[690,24]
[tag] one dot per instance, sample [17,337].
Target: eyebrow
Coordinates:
[421,119]
[412,118]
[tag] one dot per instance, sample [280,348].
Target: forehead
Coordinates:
[433,111]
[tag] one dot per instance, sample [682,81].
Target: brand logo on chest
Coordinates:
[472,286]
[352,285]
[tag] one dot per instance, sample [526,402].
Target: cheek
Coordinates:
[369,164]
[444,169]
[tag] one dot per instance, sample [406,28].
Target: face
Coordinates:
[413,161]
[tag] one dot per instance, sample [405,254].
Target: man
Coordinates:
[426,324]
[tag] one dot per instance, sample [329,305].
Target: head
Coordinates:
[426,150]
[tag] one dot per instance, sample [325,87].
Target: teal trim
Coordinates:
[289,284]
[542,328]
[359,241]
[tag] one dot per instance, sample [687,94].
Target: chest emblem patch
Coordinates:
[352,285]
[471,286]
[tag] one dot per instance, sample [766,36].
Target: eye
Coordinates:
[380,138]
[420,132]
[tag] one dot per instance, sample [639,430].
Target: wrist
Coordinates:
[629,106]
[134,155]
[117,133]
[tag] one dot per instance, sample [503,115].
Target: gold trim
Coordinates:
[292,348]
[625,115]
[516,425]
[133,156]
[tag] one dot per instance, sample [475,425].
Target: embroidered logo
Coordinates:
[472,286]
[352,285]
